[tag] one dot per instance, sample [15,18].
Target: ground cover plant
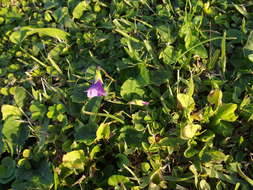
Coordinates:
[126,94]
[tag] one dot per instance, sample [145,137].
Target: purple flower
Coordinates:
[96,89]
[145,103]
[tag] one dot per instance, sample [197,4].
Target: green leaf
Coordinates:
[13,133]
[74,160]
[191,150]
[85,133]
[94,151]
[20,96]
[20,35]
[114,180]
[52,32]
[213,173]
[40,176]
[207,136]
[226,113]
[92,108]
[190,84]
[60,14]
[215,97]
[7,170]
[171,141]
[224,128]
[199,50]
[194,170]
[189,131]
[122,160]
[159,77]
[77,93]
[55,66]
[90,73]
[127,36]
[250,57]
[168,55]
[9,110]
[132,136]
[103,131]
[178,179]
[131,89]
[186,101]
[145,166]
[1,20]
[49,4]
[38,110]
[249,180]
[214,59]
[165,34]
[203,185]
[80,8]
[52,112]
[241,9]
[248,48]
[213,155]
[150,50]
[144,78]
[138,117]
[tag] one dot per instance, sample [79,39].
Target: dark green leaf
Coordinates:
[85,133]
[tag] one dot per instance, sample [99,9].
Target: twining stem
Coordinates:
[203,42]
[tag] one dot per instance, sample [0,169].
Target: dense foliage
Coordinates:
[177,109]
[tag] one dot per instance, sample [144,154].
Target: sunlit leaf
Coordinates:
[13,132]
[185,101]
[80,8]
[114,180]
[24,32]
[38,110]
[20,96]
[215,97]
[103,131]
[189,131]
[130,89]
[9,110]
[226,113]
[74,160]
[214,156]
[203,185]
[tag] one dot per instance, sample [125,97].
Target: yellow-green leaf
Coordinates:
[186,101]
[114,180]
[226,113]
[74,160]
[20,96]
[103,131]
[18,36]
[9,110]
[189,131]
[79,9]
[215,97]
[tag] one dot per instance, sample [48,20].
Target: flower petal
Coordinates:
[96,89]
